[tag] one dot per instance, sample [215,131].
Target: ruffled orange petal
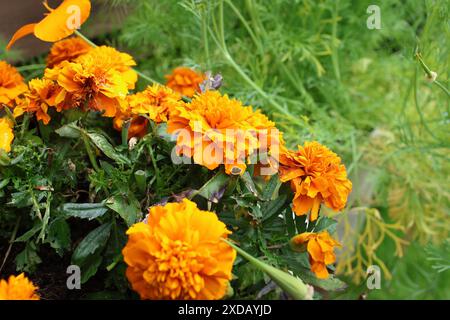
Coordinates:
[22,32]
[63,21]
[320,269]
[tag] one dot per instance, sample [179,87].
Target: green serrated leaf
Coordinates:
[59,235]
[89,267]
[332,283]
[127,207]
[325,223]
[271,187]
[103,144]
[94,241]
[273,207]
[84,210]
[28,259]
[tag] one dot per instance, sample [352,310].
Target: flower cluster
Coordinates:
[179,254]
[154,103]
[214,129]
[18,288]
[180,251]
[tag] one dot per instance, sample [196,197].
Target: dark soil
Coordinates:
[50,275]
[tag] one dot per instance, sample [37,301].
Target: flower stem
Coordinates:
[290,284]
[89,151]
[11,242]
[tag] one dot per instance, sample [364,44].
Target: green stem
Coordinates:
[79,34]
[25,123]
[89,151]
[205,36]
[223,47]
[155,167]
[125,128]
[429,73]
[11,242]
[290,284]
[334,56]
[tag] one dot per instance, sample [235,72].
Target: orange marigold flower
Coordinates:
[155,101]
[11,84]
[67,50]
[58,24]
[179,254]
[316,176]
[18,288]
[185,81]
[6,134]
[214,129]
[99,79]
[42,94]
[320,247]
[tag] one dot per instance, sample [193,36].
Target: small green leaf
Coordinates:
[27,235]
[70,130]
[59,235]
[84,210]
[103,144]
[28,259]
[4,183]
[21,199]
[327,224]
[89,267]
[127,207]
[4,159]
[273,207]
[271,187]
[248,181]
[94,241]
[332,283]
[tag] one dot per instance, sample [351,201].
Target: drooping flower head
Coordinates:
[11,84]
[214,129]
[185,81]
[316,175]
[42,94]
[58,24]
[67,50]
[320,248]
[178,254]
[18,288]
[99,79]
[6,134]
